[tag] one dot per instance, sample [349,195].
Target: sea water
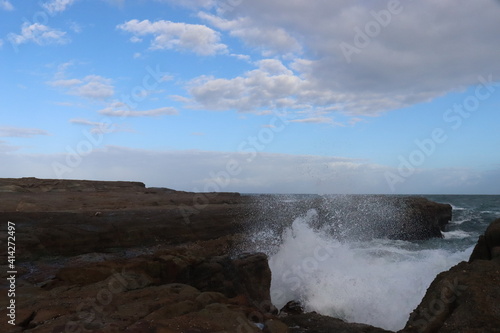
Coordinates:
[377,281]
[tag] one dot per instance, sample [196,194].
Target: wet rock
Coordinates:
[293,308]
[488,246]
[356,217]
[315,323]
[465,298]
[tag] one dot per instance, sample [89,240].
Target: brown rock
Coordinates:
[83,275]
[467,297]
[487,246]
[313,322]
[275,326]
[463,299]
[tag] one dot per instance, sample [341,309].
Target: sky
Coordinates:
[254,96]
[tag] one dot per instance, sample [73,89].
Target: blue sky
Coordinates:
[254,96]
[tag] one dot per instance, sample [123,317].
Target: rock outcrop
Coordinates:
[467,297]
[358,217]
[164,292]
[36,185]
[488,245]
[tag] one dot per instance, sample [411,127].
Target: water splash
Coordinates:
[377,282]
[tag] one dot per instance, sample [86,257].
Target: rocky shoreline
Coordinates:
[120,257]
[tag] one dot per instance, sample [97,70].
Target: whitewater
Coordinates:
[378,281]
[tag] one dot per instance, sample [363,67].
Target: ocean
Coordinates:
[375,281]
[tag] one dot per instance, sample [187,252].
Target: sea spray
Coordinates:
[317,256]
[377,282]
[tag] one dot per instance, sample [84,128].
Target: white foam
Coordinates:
[456,234]
[453,207]
[377,282]
[460,221]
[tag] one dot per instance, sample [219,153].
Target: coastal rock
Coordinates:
[313,322]
[467,297]
[355,217]
[488,246]
[36,185]
[201,294]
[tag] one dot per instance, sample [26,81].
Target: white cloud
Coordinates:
[39,34]
[6,5]
[272,86]
[66,83]
[18,132]
[93,87]
[122,110]
[266,173]
[314,120]
[266,87]
[243,57]
[177,36]
[193,4]
[56,6]
[101,127]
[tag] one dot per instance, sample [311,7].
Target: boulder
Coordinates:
[465,298]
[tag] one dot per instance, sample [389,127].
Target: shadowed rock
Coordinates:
[467,297]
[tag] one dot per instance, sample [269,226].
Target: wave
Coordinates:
[456,234]
[460,221]
[376,282]
[453,207]
[490,212]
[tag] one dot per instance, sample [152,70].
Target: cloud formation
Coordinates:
[57,6]
[105,126]
[93,87]
[39,34]
[17,132]
[122,110]
[366,59]
[272,86]
[169,35]
[6,5]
